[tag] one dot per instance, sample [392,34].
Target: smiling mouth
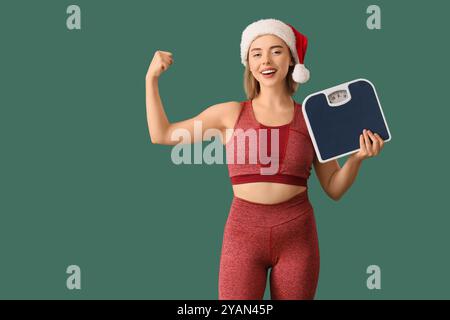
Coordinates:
[267,73]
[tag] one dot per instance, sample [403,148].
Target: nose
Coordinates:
[266,59]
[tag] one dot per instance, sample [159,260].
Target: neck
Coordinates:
[275,97]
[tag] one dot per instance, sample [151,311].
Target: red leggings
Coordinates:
[279,236]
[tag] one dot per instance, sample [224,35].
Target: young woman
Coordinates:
[271,222]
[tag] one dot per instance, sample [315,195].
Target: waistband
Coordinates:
[265,215]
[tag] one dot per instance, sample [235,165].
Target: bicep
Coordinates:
[324,171]
[192,130]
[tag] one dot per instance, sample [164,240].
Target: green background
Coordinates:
[82,184]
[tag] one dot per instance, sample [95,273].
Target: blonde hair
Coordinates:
[252,87]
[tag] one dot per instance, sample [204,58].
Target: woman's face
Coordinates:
[269,51]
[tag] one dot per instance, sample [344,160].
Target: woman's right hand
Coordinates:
[161,62]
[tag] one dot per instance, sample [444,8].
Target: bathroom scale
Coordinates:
[336,116]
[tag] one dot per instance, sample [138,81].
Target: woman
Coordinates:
[271,222]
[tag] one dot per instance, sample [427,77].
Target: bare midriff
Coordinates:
[266,192]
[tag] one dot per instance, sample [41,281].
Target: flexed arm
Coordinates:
[160,128]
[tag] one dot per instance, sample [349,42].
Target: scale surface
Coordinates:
[335,118]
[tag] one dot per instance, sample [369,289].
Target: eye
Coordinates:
[258,54]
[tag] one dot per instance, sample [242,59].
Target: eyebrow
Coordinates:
[278,46]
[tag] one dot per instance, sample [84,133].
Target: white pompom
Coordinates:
[300,73]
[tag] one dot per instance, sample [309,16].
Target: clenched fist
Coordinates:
[161,62]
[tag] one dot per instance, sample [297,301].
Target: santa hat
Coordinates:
[296,41]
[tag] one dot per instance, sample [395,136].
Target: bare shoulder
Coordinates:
[231,111]
[220,115]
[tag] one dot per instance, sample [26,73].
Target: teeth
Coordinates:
[268,71]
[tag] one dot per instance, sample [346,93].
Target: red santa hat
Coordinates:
[296,41]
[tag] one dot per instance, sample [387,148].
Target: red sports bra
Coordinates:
[252,157]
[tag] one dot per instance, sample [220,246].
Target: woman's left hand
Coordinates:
[370,144]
